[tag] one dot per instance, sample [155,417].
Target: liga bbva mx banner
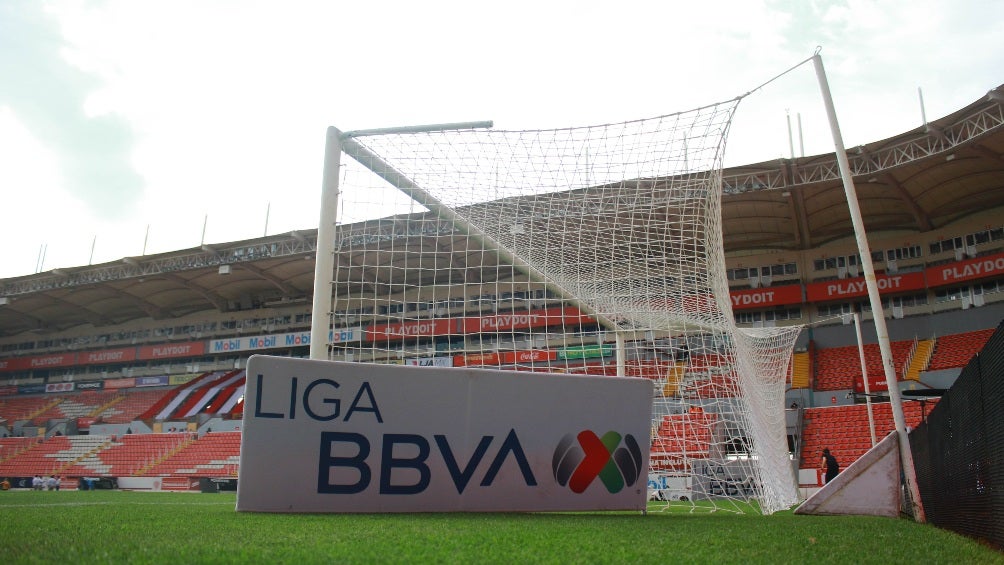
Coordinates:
[323,436]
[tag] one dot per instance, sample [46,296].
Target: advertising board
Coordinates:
[322,436]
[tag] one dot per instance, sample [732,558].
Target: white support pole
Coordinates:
[791,140]
[324,260]
[268,209]
[40,262]
[878,316]
[620,354]
[801,140]
[864,375]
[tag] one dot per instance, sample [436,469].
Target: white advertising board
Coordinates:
[323,436]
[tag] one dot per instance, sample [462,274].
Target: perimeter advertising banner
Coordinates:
[322,436]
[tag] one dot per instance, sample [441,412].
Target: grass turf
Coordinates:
[132,527]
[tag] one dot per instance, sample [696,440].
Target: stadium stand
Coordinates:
[51,456]
[844,429]
[128,455]
[78,405]
[838,368]
[26,407]
[955,350]
[215,454]
[10,447]
[680,435]
[131,405]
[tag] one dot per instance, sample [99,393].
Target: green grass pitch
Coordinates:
[132,527]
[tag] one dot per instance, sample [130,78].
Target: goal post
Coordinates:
[591,250]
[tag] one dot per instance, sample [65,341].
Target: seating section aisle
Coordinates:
[801,370]
[844,429]
[955,350]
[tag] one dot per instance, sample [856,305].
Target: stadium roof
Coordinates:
[916,182]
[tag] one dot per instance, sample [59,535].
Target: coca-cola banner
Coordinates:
[506,357]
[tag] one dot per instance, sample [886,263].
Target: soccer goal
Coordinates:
[588,251]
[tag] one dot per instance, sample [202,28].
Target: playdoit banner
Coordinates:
[321,436]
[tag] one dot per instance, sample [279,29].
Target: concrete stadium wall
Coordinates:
[922,327]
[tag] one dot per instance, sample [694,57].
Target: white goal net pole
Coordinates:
[324,259]
[878,315]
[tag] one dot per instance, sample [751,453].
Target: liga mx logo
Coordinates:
[581,458]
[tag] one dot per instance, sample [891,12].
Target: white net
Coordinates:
[594,250]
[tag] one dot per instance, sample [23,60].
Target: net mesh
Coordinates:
[594,250]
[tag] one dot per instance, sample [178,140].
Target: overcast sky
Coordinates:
[120,119]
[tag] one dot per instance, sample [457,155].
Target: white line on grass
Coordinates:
[43,504]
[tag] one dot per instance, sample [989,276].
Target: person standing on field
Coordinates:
[830,465]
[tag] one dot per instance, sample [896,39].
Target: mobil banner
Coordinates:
[322,436]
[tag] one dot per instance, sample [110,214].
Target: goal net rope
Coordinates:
[589,250]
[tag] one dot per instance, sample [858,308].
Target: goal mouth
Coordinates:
[592,250]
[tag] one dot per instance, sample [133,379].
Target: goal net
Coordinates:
[591,250]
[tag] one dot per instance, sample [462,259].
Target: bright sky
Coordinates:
[122,118]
